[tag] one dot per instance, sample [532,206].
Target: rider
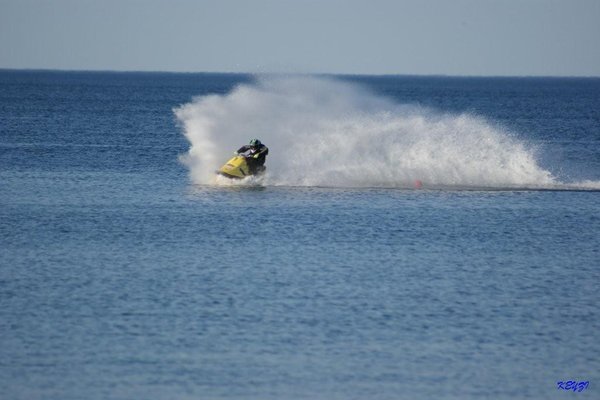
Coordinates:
[257,155]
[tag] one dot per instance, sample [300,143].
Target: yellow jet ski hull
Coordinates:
[236,168]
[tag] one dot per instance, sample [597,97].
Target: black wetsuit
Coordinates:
[255,163]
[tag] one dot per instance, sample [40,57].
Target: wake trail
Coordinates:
[325,132]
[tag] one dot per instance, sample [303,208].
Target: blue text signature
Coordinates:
[573,385]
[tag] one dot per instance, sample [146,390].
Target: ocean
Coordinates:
[412,238]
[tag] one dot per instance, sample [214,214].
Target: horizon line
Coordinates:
[124,71]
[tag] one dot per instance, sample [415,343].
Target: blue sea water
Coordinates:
[128,272]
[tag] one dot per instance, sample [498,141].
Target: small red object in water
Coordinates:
[418,184]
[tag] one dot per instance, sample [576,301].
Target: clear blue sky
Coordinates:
[450,37]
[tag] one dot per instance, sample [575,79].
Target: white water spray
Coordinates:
[324,132]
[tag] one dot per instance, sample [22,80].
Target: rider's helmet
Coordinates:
[255,143]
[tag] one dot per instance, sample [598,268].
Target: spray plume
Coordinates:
[325,132]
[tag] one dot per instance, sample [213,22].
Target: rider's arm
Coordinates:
[243,149]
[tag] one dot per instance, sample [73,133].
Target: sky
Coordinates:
[415,37]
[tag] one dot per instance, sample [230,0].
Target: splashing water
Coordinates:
[324,132]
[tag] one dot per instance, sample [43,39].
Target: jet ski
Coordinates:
[239,168]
